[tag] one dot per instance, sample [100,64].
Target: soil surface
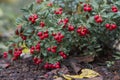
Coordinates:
[26,70]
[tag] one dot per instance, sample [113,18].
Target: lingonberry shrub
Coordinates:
[53,28]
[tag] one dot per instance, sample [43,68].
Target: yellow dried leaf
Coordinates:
[79,9]
[86,73]
[25,50]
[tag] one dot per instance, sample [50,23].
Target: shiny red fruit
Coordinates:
[5,55]
[40,34]
[107,25]
[114,9]
[114,26]
[42,24]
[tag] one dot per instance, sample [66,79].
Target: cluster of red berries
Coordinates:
[42,24]
[114,9]
[37,60]
[35,48]
[82,31]
[52,49]
[71,28]
[58,11]
[52,66]
[18,32]
[43,35]
[58,37]
[87,8]
[62,54]
[110,26]
[33,18]
[17,53]
[98,19]
[63,21]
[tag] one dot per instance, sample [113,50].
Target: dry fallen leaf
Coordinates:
[86,73]
[25,50]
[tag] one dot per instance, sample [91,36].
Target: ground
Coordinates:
[27,70]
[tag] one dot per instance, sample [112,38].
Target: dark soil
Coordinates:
[26,70]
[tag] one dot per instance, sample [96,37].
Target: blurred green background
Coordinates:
[9,11]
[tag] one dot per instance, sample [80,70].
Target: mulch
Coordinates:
[27,70]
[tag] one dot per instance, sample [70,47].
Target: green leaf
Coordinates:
[25,10]
[31,7]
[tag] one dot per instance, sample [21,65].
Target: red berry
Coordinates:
[32,51]
[50,66]
[42,37]
[40,34]
[46,66]
[113,26]
[64,56]
[35,16]
[83,33]
[5,55]
[42,24]
[107,25]
[114,9]
[70,28]
[60,9]
[53,50]
[78,30]
[38,50]
[57,63]
[23,37]
[53,34]
[56,12]
[57,66]
[46,35]
[38,46]
[99,20]
[38,61]
[56,37]
[49,49]
[16,32]
[10,51]
[60,21]
[54,47]
[30,18]
[61,36]
[61,53]
[96,17]
[66,20]
[35,59]
[60,12]
[87,7]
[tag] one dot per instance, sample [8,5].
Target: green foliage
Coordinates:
[88,34]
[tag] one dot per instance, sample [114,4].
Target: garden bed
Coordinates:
[27,70]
